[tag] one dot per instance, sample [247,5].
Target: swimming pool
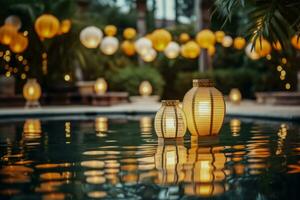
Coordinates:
[120,157]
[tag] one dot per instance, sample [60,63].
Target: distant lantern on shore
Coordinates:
[204,107]
[129,33]
[110,30]
[184,37]
[251,53]
[128,48]
[19,43]
[235,95]
[91,37]
[296,41]
[170,121]
[7,33]
[219,36]
[227,41]
[100,86]
[149,56]
[145,88]
[143,45]
[65,26]
[109,45]
[14,21]
[160,39]
[32,92]
[239,43]
[172,50]
[190,50]
[262,47]
[46,26]
[205,38]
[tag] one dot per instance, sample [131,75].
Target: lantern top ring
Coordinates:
[203,83]
[170,102]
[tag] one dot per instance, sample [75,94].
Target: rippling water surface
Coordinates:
[121,158]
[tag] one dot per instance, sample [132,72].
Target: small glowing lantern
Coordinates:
[262,47]
[296,41]
[149,56]
[172,50]
[145,88]
[219,36]
[239,43]
[128,48]
[251,53]
[109,45]
[205,38]
[91,37]
[7,33]
[14,21]
[46,26]
[143,45]
[204,107]
[227,41]
[19,43]
[184,37]
[100,86]
[277,45]
[235,95]
[129,33]
[211,50]
[170,121]
[190,50]
[160,39]
[65,26]
[32,128]
[110,30]
[32,93]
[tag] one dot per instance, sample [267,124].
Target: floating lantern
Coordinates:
[251,53]
[296,41]
[7,33]
[172,50]
[227,41]
[277,45]
[211,50]
[184,37]
[204,107]
[235,95]
[100,86]
[110,30]
[262,47]
[19,43]
[14,21]
[145,88]
[190,50]
[46,26]
[205,38]
[219,36]
[128,48]
[149,56]
[129,33]
[143,45]
[239,43]
[170,121]
[91,37]
[65,26]
[160,39]
[32,93]
[235,126]
[109,45]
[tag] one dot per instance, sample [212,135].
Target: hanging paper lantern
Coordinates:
[219,36]
[204,107]
[109,45]
[32,92]
[91,37]
[7,33]
[145,88]
[128,48]
[251,53]
[184,37]
[160,39]
[235,95]
[19,43]
[149,56]
[46,26]
[129,33]
[227,41]
[296,41]
[110,30]
[142,45]
[277,45]
[211,50]
[190,50]
[262,47]
[205,38]
[170,121]
[172,50]
[65,26]
[239,43]
[100,86]
[14,21]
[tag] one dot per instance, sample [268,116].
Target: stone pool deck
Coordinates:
[247,109]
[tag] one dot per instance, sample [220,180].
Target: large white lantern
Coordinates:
[172,50]
[143,45]
[91,37]
[109,45]
[251,53]
[149,56]
[14,21]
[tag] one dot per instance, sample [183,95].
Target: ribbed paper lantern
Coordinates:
[190,50]
[145,88]
[142,45]
[160,39]
[172,50]
[219,36]
[91,36]
[129,33]
[277,45]
[100,86]
[46,26]
[32,92]
[184,37]
[205,38]
[7,33]
[170,121]
[296,41]
[19,43]
[110,30]
[128,48]
[14,21]
[65,26]
[239,43]
[227,41]
[204,107]
[262,47]
[149,55]
[235,95]
[251,53]
[109,45]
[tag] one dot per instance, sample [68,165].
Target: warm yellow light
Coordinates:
[7,33]
[101,125]
[14,21]
[32,128]
[277,45]
[262,47]
[190,50]
[67,77]
[129,33]
[160,39]
[251,53]
[32,92]
[296,41]
[283,60]
[109,45]
[128,48]
[279,68]
[204,107]
[269,57]
[184,37]
[149,55]
[205,38]
[239,43]
[145,88]
[91,36]
[219,36]
[283,73]
[145,124]
[227,41]
[235,126]
[65,26]
[282,77]
[100,86]
[172,50]
[170,121]
[46,26]
[287,86]
[211,50]
[235,95]
[110,30]
[23,76]
[142,45]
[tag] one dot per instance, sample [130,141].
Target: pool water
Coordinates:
[121,158]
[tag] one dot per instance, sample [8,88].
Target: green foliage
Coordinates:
[129,78]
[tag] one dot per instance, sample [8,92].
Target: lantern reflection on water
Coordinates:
[101,126]
[146,125]
[32,128]
[235,127]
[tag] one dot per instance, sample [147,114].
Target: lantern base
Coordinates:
[173,141]
[32,104]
